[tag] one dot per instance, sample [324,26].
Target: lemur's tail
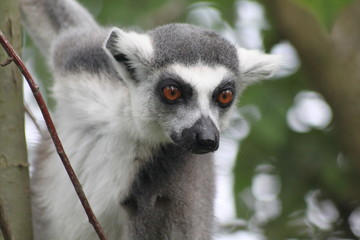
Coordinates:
[46,19]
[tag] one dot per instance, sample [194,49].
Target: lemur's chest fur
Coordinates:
[152,197]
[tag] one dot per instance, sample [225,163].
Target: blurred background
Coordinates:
[289,165]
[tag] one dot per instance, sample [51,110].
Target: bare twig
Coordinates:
[4,224]
[6,62]
[50,125]
[32,117]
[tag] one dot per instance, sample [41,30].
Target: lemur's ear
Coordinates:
[256,65]
[131,49]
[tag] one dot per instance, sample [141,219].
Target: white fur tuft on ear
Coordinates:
[256,65]
[131,47]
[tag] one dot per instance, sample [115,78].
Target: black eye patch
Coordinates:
[225,89]
[184,88]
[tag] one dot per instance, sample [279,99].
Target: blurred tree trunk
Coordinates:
[332,62]
[14,174]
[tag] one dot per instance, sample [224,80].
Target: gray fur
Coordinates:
[64,15]
[187,44]
[157,211]
[46,19]
[82,51]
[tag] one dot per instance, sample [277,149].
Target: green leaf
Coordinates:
[325,10]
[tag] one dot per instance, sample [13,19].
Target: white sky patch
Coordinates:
[250,22]
[33,119]
[321,213]
[267,210]
[290,59]
[225,160]
[265,186]
[354,221]
[205,15]
[31,122]
[241,235]
[309,111]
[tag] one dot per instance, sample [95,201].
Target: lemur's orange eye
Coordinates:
[171,93]
[225,97]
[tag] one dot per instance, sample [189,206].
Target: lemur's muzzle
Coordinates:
[202,137]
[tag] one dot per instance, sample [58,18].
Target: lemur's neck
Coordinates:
[166,186]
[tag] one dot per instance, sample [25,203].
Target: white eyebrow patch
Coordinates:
[203,78]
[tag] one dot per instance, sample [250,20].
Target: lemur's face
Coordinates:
[184,81]
[191,104]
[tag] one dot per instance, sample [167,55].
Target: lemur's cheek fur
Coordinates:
[201,138]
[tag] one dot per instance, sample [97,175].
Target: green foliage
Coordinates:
[129,13]
[325,10]
[304,162]
[226,7]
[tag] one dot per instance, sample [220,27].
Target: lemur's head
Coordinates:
[184,81]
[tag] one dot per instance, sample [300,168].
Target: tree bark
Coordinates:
[14,174]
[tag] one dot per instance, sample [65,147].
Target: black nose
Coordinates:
[202,137]
[207,141]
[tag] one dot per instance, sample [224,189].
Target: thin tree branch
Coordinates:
[6,62]
[4,224]
[32,117]
[50,125]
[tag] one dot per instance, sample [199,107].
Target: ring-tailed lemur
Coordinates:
[139,115]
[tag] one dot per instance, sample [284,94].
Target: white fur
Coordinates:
[135,45]
[204,80]
[112,152]
[256,65]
